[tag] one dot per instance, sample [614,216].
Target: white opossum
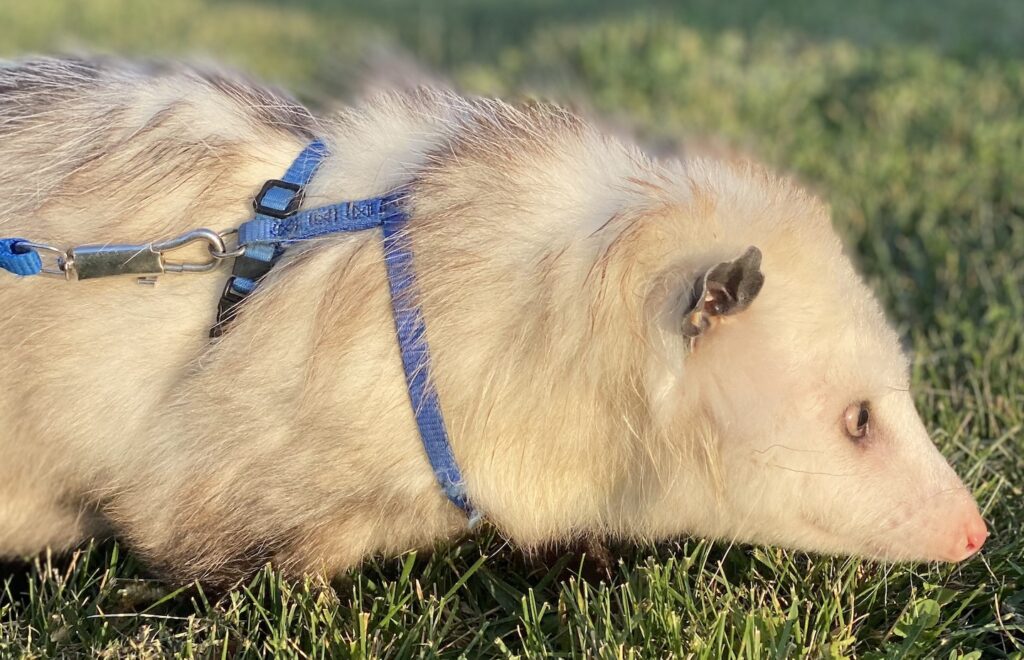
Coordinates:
[587,390]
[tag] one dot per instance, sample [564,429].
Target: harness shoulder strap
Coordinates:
[279,224]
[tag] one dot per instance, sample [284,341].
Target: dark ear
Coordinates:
[725,289]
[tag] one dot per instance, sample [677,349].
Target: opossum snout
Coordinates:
[976,532]
[953,531]
[968,537]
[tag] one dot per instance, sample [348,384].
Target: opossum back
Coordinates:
[64,117]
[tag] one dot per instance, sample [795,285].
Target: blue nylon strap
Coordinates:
[298,175]
[305,165]
[18,259]
[243,285]
[282,198]
[265,237]
[261,251]
[278,199]
[311,223]
[412,343]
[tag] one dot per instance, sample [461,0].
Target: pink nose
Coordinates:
[971,538]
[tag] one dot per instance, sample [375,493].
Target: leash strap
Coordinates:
[16,257]
[267,236]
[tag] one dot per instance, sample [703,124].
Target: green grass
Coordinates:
[907,117]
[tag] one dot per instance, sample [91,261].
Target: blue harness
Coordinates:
[261,242]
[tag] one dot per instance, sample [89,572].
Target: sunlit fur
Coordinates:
[554,264]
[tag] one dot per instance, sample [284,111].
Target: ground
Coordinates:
[906,117]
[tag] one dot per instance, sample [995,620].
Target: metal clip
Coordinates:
[143,260]
[214,243]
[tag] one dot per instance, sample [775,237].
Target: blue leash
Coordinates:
[278,224]
[16,257]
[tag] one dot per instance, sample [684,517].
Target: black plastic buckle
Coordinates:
[293,204]
[231,298]
[227,308]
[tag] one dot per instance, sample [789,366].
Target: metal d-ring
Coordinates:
[224,253]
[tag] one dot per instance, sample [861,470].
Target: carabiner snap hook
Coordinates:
[214,243]
[145,260]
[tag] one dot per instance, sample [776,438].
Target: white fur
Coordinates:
[552,263]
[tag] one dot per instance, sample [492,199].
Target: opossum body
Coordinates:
[606,357]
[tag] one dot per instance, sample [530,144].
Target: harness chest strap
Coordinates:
[261,242]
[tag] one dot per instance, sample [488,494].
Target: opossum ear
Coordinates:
[725,289]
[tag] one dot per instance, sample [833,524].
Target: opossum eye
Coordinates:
[857,417]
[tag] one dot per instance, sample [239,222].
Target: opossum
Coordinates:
[621,347]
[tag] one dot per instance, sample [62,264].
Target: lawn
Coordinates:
[907,117]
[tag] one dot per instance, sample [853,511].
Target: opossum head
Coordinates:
[794,391]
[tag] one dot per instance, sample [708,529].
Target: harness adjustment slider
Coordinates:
[278,199]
